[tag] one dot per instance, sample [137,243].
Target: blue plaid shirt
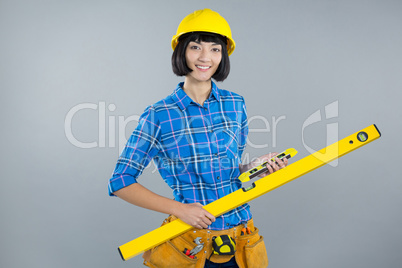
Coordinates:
[197,149]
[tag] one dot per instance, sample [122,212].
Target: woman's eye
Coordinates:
[195,47]
[216,49]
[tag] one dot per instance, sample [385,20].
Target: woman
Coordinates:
[196,137]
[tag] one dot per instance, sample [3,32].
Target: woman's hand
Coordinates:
[272,166]
[194,215]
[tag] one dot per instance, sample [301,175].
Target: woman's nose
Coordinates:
[204,55]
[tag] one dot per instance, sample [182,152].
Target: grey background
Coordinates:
[292,59]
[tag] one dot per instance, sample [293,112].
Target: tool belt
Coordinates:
[250,249]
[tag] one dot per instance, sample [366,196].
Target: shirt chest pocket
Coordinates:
[197,143]
[187,147]
[228,141]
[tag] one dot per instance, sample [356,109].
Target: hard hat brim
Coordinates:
[230,46]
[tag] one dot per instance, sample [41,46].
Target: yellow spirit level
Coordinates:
[262,186]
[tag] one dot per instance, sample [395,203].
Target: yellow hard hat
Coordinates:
[205,20]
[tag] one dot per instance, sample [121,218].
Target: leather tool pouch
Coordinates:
[250,249]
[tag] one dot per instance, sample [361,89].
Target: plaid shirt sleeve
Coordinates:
[141,147]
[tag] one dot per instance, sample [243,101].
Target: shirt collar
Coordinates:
[183,100]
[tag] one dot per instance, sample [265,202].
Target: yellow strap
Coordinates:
[262,186]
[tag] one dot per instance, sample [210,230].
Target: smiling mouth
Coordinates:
[203,67]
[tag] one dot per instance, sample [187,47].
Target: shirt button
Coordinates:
[227,224]
[211,130]
[218,178]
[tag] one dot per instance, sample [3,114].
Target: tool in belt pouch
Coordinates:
[223,245]
[249,252]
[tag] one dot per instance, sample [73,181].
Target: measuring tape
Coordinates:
[223,245]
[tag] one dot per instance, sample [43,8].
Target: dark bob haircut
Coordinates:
[179,64]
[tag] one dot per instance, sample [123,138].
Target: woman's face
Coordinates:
[203,58]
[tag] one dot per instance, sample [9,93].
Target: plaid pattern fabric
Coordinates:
[197,149]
